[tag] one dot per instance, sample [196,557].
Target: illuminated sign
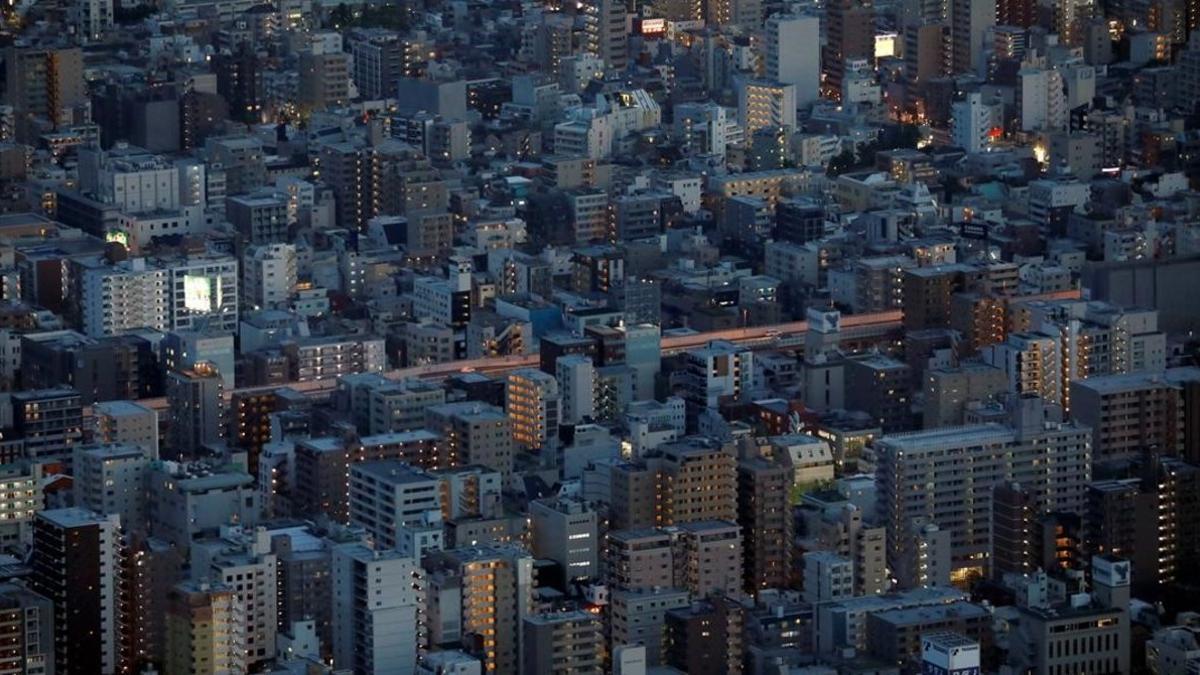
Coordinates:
[201,294]
[117,236]
[654,27]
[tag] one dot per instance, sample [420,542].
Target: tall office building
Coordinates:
[1051,460]
[794,54]
[566,531]
[203,630]
[379,620]
[76,563]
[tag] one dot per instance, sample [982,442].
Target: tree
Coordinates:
[841,163]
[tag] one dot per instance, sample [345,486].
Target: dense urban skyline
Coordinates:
[730,337]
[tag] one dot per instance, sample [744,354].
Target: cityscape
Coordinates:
[643,337]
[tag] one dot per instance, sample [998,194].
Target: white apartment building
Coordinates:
[764,104]
[794,54]
[973,121]
[702,127]
[269,276]
[20,498]
[576,375]
[124,297]
[378,611]
[1043,103]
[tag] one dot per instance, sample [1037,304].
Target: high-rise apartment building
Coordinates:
[707,637]
[475,433]
[576,375]
[794,54]
[764,513]
[562,643]
[639,618]
[381,58]
[379,619]
[1052,460]
[49,420]
[969,23]
[1130,414]
[76,563]
[606,36]
[763,104]
[531,399]
[708,557]
[111,479]
[126,422]
[27,625]
[638,559]
[389,496]
[203,630]
[490,590]
[197,410]
[240,82]
[850,34]
[44,84]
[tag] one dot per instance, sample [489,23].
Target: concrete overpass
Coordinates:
[791,334]
[856,326]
